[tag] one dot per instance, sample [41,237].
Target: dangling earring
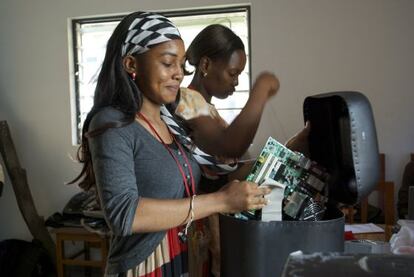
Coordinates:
[133,76]
[204,74]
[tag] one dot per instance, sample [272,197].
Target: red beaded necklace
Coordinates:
[190,190]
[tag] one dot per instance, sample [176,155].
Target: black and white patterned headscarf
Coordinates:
[147,30]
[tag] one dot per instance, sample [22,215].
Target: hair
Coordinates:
[215,42]
[114,88]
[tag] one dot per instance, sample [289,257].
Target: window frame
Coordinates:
[76,22]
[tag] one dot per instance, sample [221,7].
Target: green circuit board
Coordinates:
[303,179]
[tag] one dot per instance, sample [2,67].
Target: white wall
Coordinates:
[313,46]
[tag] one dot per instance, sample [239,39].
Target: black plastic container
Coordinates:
[343,140]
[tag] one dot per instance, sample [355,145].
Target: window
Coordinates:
[90,36]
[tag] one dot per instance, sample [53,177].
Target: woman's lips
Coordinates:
[173,88]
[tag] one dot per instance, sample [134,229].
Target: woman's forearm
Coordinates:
[238,136]
[234,140]
[154,215]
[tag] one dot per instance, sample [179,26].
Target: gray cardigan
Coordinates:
[130,163]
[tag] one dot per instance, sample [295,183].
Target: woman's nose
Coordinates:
[179,74]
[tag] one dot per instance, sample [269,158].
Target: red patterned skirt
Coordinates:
[170,259]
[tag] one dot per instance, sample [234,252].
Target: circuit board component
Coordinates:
[304,180]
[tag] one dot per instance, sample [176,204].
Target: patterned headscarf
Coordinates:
[147,30]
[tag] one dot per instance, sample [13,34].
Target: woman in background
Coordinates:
[146,180]
[218,56]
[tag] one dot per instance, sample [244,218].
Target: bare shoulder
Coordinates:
[192,104]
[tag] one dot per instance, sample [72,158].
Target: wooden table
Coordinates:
[384,236]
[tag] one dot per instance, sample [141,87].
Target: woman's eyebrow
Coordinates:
[169,53]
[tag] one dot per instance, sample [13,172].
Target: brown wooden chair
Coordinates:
[350,211]
[89,239]
[385,191]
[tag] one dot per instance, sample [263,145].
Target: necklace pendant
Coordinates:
[182,236]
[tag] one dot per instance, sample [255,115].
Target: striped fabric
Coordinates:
[146,30]
[211,167]
[169,259]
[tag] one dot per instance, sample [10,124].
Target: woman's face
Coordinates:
[223,77]
[159,71]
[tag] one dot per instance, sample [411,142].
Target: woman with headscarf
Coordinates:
[146,180]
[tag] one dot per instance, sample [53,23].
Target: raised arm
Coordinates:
[234,140]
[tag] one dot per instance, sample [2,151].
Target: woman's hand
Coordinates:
[242,196]
[266,84]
